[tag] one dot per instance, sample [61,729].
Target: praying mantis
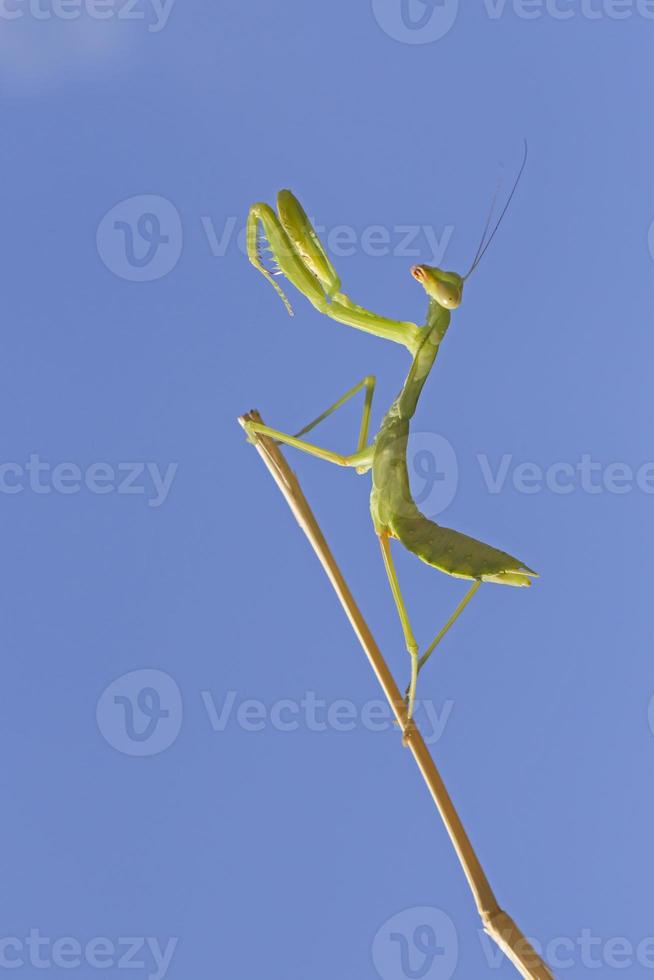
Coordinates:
[298,254]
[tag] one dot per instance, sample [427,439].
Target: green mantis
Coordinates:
[298,255]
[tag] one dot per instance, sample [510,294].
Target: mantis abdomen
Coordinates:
[395,514]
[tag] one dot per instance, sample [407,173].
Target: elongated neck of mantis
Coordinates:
[438,320]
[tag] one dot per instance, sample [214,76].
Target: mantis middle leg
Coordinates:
[359,459]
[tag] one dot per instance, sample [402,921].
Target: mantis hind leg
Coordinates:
[448,626]
[417,663]
[409,639]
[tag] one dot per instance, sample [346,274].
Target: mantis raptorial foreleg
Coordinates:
[299,255]
[288,259]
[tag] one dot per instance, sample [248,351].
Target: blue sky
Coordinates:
[195,760]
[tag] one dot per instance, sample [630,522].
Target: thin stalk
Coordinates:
[497,923]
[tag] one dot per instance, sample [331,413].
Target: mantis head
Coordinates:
[445,287]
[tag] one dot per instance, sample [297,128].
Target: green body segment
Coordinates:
[393,509]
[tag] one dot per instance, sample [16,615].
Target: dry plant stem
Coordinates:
[499,926]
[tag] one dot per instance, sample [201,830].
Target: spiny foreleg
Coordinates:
[298,254]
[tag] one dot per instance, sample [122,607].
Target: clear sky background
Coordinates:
[141,533]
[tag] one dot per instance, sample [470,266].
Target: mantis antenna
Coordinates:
[483,244]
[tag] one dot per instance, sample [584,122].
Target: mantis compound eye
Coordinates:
[447,296]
